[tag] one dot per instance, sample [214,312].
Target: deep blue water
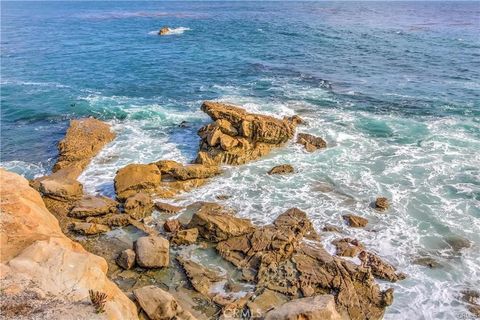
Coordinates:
[394,87]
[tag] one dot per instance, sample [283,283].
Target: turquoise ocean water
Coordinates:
[394,88]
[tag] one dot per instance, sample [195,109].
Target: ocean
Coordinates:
[393,87]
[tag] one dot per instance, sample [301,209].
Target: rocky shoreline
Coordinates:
[276,271]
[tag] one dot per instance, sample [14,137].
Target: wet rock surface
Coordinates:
[311,142]
[236,136]
[347,247]
[163,31]
[91,206]
[168,208]
[139,206]
[380,269]
[355,221]
[185,237]
[381,204]
[282,169]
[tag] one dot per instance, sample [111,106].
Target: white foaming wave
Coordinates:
[345,178]
[172,31]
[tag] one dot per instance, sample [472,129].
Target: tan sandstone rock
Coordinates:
[160,305]
[152,252]
[139,206]
[91,206]
[201,278]
[126,259]
[136,178]
[83,140]
[347,247]
[88,228]
[311,308]
[236,136]
[282,169]
[380,269]
[37,256]
[277,258]
[355,221]
[215,223]
[168,208]
[185,237]
[311,142]
[381,204]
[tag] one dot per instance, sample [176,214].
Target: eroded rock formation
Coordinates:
[236,136]
[37,257]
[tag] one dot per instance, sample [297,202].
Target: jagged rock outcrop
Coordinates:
[167,208]
[37,257]
[236,136]
[381,204]
[347,247]
[160,305]
[276,257]
[311,308]
[139,206]
[380,269]
[172,225]
[61,191]
[282,169]
[215,223]
[311,142]
[185,237]
[355,221]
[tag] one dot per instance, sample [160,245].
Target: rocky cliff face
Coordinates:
[43,273]
[236,136]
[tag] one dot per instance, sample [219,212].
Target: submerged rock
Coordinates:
[331,228]
[160,305]
[90,206]
[311,142]
[281,169]
[215,223]
[458,243]
[236,136]
[381,204]
[126,259]
[311,308]
[355,221]
[427,262]
[139,206]
[152,252]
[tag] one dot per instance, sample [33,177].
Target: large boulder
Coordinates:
[236,136]
[139,206]
[37,257]
[152,252]
[136,178]
[185,237]
[160,305]
[126,259]
[91,206]
[215,223]
[311,308]
[83,140]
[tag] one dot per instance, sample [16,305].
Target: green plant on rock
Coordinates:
[98,300]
